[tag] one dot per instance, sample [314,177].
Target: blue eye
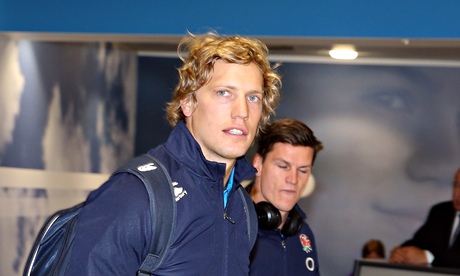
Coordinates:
[391,100]
[223,92]
[253,98]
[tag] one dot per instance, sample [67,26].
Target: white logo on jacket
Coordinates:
[147,167]
[310,263]
[179,192]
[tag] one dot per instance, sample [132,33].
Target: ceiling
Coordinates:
[442,51]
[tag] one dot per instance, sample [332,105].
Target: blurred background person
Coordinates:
[373,249]
[436,242]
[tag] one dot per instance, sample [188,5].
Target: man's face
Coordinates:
[283,174]
[227,111]
[456,191]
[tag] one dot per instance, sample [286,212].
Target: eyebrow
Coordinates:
[235,88]
[282,160]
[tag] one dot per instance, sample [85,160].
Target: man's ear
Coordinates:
[187,106]
[257,162]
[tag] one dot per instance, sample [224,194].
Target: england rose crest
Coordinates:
[306,243]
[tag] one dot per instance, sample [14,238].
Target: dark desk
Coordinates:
[381,268]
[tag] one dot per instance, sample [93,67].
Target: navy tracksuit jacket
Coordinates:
[113,228]
[276,255]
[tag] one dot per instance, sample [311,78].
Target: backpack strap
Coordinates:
[252,216]
[162,207]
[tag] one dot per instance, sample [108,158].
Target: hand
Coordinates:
[397,255]
[408,255]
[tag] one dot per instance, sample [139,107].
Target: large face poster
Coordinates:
[391,136]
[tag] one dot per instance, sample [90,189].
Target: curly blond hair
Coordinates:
[196,71]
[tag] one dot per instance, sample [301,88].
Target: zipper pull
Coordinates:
[228,218]
[283,239]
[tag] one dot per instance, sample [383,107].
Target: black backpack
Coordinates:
[49,254]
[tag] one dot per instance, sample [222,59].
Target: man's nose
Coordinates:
[292,176]
[437,150]
[240,108]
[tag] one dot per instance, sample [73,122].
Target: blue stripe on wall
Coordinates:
[304,18]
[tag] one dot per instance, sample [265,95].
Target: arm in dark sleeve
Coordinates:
[112,229]
[423,234]
[449,258]
[434,236]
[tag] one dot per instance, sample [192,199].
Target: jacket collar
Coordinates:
[184,147]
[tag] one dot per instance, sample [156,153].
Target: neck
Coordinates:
[228,172]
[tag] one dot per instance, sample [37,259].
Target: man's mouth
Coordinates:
[235,131]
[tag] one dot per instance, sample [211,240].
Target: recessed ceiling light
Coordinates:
[346,52]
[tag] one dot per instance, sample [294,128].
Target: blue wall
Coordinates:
[304,18]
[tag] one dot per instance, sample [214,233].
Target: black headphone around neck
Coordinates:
[269,218]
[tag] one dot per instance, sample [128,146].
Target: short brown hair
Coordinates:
[289,131]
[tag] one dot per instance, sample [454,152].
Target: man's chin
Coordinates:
[235,153]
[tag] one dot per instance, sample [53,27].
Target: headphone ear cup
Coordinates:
[269,218]
[293,223]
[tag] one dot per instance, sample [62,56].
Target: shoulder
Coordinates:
[442,206]
[113,227]
[121,185]
[441,211]
[122,197]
